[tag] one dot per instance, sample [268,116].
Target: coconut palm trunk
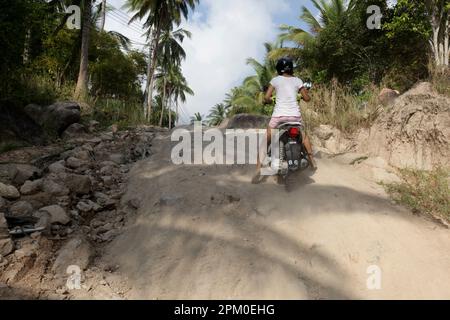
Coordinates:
[163,102]
[81,91]
[103,21]
[151,80]
[170,114]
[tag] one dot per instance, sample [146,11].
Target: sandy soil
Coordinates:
[206,232]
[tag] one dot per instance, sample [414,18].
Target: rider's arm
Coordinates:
[305,94]
[269,93]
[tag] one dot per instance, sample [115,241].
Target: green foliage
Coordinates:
[424,192]
[114,72]
[217,115]
[120,112]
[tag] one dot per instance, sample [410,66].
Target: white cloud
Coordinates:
[223,38]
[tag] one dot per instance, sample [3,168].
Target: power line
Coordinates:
[126,16]
[123,23]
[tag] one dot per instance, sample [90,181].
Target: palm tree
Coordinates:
[81,91]
[173,86]
[103,15]
[160,16]
[217,114]
[196,118]
[249,97]
[331,12]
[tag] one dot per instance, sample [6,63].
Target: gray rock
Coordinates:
[6,246]
[108,181]
[57,167]
[79,184]
[4,233]
[76,252]
[88,206]
[55,189]
[117,158]
[74,163]
[19,173]
[21,209]
[56,117]
[43,220]
[31,187]
[107,170]
[9,192]
[57,214]
[110,235]
[73,131]
[2,203]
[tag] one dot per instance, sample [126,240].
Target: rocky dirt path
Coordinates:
[205,232]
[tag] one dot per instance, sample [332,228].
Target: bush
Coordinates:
[337,106]
[423,192]
[441,81]
[123,113]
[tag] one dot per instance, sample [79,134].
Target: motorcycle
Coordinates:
[292,153]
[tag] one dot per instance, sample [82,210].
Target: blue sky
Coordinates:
[225,34]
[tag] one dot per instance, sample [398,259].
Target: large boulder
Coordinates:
[16,126]
[56,117]
[413,133]
[248,121]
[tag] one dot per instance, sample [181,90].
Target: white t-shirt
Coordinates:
[287,90]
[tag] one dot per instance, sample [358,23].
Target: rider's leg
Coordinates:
[269,140]
[308,147]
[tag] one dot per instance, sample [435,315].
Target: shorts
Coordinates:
[276,121]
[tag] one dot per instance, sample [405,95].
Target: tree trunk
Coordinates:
[177,121]
[170,114]
[446,41]
[103,21]
[81,91]
[148,83]
[152,72]
[163,102]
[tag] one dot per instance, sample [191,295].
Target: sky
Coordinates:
[224,34]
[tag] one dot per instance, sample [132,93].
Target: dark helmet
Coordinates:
[285,65]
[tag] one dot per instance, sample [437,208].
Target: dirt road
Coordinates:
[205,232]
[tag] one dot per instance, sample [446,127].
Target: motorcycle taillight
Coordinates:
[294,132]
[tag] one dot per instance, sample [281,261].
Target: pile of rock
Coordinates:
[75,197]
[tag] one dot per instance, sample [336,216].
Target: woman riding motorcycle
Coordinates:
[287,108]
